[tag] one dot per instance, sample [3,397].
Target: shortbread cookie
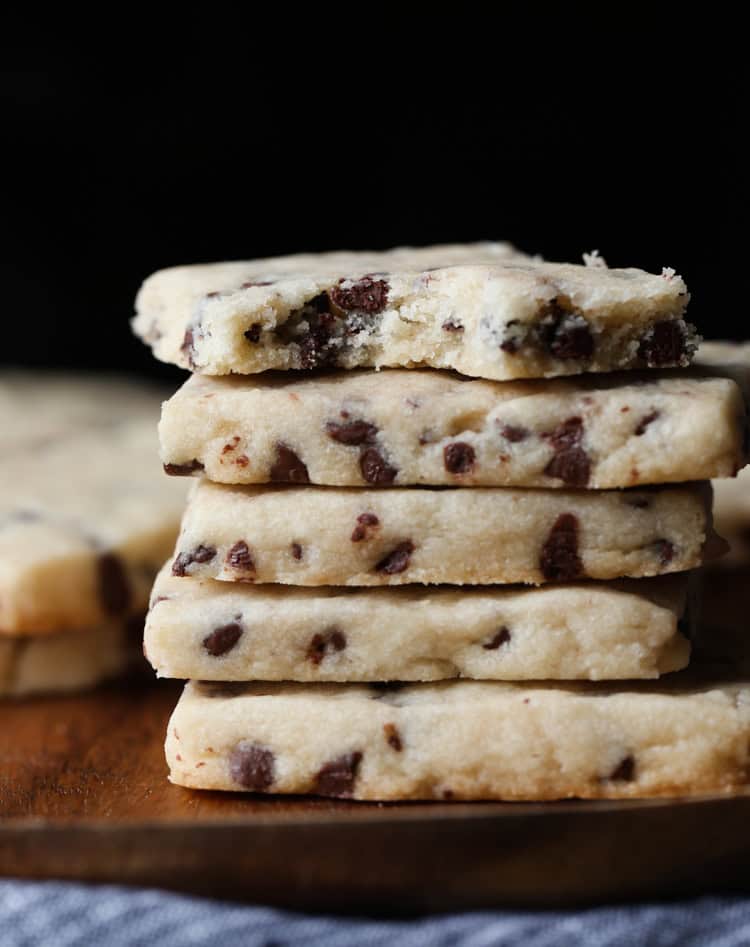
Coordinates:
[482,309]
[428,427]
[86,519]
[71,661]
[339,536]
[224,631]
[464,739]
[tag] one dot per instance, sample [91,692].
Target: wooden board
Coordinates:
[84,795]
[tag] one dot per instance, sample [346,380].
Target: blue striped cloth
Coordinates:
[72,915]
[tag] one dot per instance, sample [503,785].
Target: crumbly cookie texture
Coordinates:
[428,427]
[338,536]
[201,629]
[482,309]
[70,661]
[86,519]
[464,740]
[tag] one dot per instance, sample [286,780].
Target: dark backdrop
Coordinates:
[120,163]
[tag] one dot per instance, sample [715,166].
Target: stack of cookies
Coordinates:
[360,539]
[85,522]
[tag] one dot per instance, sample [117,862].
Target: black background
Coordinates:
[233,143]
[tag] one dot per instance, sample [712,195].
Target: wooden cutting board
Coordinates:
[84,795]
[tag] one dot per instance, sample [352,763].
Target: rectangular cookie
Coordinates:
[484,310]
[401,427]
[340,536]
[226,631]
[86,514]
[69,661]
[464,739]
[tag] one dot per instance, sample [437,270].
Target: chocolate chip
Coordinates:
[183,470]
[287,467]
[200,554]
[664,550]
[232,445]
[321,644]
[513,336]
[564,332]
[624,772]
[365,295]
[364,522]
[451,326]
[337,777]
[514,433]
[188,347]
[239,557]
[499,638]
[559,559]
[375,468]
[252,766]
[353,432]
[296,551]
[458,457]
[645,421]
[222,639]
[115,592]
[397,560]
[393,737]
[663,344]
[253,333]
[571,463]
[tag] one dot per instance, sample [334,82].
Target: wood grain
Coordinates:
[84,795]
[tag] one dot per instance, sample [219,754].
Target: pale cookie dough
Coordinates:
[339,536]
[70,661]
[427,427]
[482,309]
[206,630]
[464,740]
[86,519]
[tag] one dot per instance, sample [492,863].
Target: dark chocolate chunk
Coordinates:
[188,347]
[253,333]
[397,559]
[564,332]
[365,295]
[624,772]
[571,463]
[222,639]
[559,560]
[393,737]
[183,470]
[239,557]
[252,766]
[375,468]
[184,559]
[115,592]
[663,344]
[514,433]
[354,433]
[665,551]
[458,457]
[287,467]
[323,643]
[502,636]
[296,551]
[337,778]
[364,522]
[451,326]
[645,421]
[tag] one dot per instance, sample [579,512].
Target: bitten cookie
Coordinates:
[206,630]
[403,427]
[338,536]
[464,740]
[86,515]
[483,309]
